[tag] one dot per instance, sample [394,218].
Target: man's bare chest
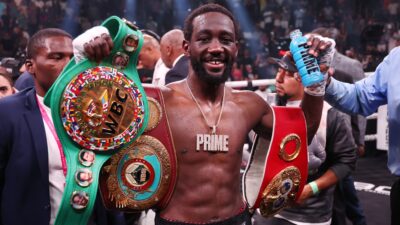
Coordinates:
[190,131]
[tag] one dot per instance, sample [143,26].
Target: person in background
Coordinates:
[6,83]
[150,59]
[49,51]
[172,54]
[331,154]
[364,97]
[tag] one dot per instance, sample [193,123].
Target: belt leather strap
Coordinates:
[97,109]
[277,169]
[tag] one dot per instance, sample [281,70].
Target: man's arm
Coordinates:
[312,108]
[341,153]
[312,102]
[340,146]
[365,96]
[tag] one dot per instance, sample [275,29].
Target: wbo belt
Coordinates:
[277,170]
[97,109]
[143,174]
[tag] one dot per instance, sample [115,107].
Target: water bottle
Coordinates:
[306,64]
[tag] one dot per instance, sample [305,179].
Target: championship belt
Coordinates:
[143,174]
[97,109]
[277,169]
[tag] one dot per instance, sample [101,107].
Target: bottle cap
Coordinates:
[295,33]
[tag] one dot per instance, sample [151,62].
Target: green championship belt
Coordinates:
[97,109]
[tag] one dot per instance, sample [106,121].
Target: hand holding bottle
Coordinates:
[312,54]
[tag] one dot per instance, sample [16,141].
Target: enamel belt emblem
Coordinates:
[102,109]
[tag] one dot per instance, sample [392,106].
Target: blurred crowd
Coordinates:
[364,30]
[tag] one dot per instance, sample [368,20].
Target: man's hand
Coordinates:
[305,194]
[318,44]
[360,150]
[323,49]
[95,44]
[99,48]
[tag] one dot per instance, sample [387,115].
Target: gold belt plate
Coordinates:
[139,174]
[280,191]
[102,109]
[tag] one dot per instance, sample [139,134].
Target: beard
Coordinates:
[281,100]
[201,72]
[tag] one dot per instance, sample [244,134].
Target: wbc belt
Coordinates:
[277,169]
[97,109]
[143,174]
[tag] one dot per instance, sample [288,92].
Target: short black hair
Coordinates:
[211,7]
[38,39]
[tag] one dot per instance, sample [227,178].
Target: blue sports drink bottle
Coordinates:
[306,64]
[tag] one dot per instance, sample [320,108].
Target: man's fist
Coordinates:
[94,44]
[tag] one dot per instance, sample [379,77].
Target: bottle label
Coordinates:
[305,63]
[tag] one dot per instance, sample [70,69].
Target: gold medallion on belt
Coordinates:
[280,191]
[283,152]
[155,115]
[102,109]
[139,174]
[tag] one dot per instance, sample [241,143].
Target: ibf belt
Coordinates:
[143,174]
[277,169]
[97,109]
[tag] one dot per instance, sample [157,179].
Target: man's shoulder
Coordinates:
[338,118]
[347,69]
[17,97]
[172,71]
[393,55]
[25,80]
[242,93]
[181,65]
[15,102]
[173,90]
[395,51]
[183,60]
[336,112]
[246,98]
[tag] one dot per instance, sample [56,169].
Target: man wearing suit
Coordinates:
[173,57]
[32,172]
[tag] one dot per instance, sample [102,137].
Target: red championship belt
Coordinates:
[277,169]
[143,174]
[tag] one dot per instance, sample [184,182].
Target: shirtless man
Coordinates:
[208,184]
